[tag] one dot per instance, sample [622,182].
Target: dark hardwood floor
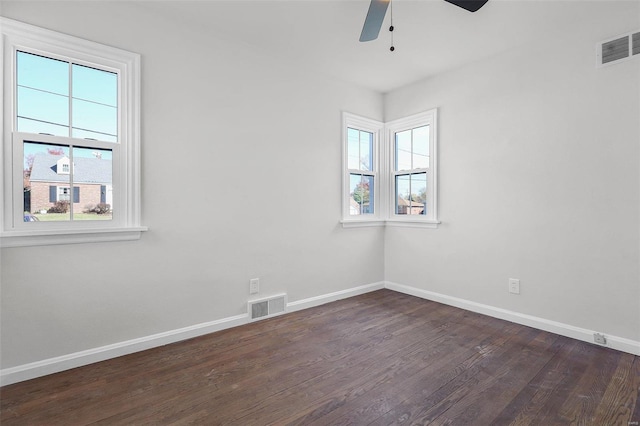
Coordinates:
[380,358]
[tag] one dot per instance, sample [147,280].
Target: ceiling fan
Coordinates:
[378,8]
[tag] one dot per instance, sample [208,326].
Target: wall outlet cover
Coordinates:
[514,286]
[254,285]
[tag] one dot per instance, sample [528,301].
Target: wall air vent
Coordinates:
[635,43]
[265,308]
[618,49]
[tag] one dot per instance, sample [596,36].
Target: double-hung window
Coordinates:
[412,156]
[361,182]
[70,150]
[390,174]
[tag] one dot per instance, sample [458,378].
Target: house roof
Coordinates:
[405,202]
[86,170]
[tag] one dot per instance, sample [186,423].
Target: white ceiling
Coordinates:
[430,36]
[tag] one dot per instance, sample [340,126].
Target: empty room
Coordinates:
[320,212]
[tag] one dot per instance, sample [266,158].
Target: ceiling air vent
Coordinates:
[264,308]
[618,49]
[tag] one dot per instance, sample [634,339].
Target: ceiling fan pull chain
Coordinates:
[391,28]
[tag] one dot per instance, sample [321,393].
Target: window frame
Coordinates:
[67,195]
[427,118]
[126,225]
[352,121]
[384,149]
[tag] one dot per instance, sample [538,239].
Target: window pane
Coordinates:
[419,193]
[403,150]
[353,149]
[93,117]
[92,179]
[34,126]
[45,74]
[403,192]
[411,194]
[95,100]
[84,134]
[366,151]
[368,195]
[360,150]
[95,85]
[42,106]
[421,147]
[43,98]
[361,194]
[46,182]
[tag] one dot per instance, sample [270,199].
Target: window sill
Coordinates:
[56,237]
[407,223]
[390,222]
[361,223]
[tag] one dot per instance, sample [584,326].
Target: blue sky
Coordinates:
[53,94]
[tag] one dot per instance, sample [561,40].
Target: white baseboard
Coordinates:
[331,297]
[90,356]
[79,359]
[613,342]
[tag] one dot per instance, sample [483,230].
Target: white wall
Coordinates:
[241,168]
[539,161]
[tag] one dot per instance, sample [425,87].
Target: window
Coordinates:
[413,176]
[71,139]
[361,173]
[391,176]
[361,186]
[63,193]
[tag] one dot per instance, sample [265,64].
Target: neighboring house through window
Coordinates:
[71,135]
[92,185]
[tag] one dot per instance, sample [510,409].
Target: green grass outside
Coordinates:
[50,217]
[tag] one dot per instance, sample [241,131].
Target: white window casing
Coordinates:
[385,197]
[375,128]
[125,224]
[430,219]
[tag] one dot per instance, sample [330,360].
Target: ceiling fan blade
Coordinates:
[470,5]
[373,21]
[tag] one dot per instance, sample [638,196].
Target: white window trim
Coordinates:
[429,118]
[375,128]
[384,148]
[19,36]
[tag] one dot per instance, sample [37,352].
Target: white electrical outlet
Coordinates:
[514,286]
[254,285]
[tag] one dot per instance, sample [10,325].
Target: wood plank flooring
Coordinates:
[381,358]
